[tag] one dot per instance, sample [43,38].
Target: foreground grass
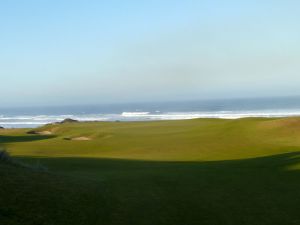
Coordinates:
[32,197]
[202,171]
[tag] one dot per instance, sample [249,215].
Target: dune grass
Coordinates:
[203,171]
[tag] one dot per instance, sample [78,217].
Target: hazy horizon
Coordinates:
[78,52]
[269,99]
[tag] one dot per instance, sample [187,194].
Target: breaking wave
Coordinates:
[38,120]
[135,114]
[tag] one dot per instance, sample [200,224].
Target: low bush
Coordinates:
[5,157]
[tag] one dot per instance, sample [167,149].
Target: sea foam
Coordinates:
[38,120]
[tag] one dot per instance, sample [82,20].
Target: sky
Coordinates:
[63,52]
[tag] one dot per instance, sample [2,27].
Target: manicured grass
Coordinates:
[204,171]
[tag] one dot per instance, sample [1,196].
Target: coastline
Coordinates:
[33,121]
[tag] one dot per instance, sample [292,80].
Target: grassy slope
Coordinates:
[196,140]
[203,171]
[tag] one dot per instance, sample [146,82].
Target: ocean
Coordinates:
[30,117]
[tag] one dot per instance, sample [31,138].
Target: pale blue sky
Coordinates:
[93,52]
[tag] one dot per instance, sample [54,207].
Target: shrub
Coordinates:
[4,156]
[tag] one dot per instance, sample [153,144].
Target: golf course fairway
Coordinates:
[185,172]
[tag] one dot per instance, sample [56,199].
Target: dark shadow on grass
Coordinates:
[24,138]
[257,191]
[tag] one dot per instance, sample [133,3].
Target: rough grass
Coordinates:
[204,171]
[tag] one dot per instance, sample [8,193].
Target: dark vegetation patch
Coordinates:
[68,120]
[5,158]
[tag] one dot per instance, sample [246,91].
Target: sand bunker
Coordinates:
[45,132]
[79,139]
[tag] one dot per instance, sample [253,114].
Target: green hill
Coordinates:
[203,171]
